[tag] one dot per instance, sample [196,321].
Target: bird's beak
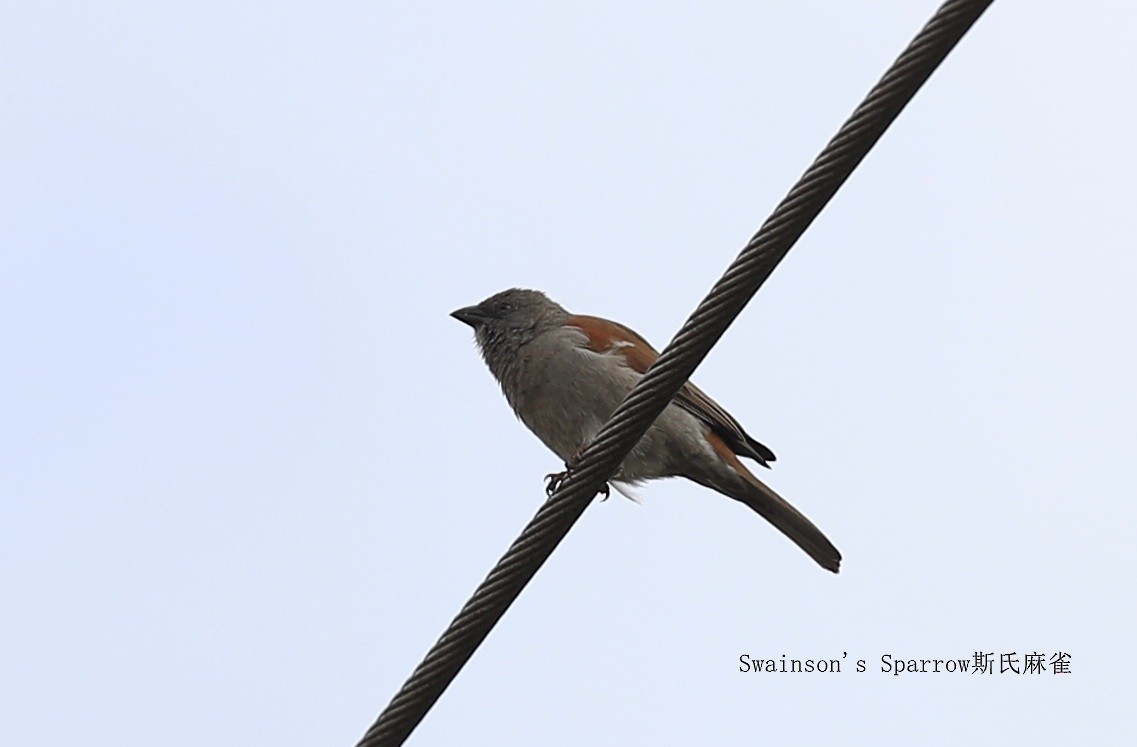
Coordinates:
[471,315]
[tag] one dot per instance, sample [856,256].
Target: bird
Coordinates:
[564,374]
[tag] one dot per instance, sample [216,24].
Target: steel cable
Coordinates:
[675,365]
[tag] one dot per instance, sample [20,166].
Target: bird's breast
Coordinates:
[564,392]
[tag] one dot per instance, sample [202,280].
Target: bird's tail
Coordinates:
[790,522]
[776,510]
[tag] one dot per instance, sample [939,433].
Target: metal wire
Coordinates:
[675,365]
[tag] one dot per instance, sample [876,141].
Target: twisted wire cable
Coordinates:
[675,365]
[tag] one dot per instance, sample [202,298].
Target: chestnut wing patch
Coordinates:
[609,337]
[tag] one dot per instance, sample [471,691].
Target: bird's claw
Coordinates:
[553,480]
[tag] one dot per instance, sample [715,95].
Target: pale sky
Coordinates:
[251,468]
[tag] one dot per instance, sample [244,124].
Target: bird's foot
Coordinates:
[553,480]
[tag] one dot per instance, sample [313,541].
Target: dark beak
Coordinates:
[471,315]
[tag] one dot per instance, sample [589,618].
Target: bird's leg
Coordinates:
[553,480]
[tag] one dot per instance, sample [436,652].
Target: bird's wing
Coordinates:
[608,337]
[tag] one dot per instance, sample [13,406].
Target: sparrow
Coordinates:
[564,375]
